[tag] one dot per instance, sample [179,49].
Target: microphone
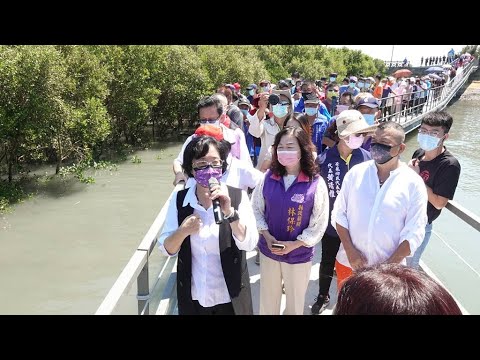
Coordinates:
[217,210]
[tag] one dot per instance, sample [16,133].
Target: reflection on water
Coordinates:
[452,233]
[65,248]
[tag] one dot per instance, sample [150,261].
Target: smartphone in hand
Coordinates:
[278,246]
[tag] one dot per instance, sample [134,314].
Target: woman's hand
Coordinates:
[269,238]
[191,225]
[221,193]
[289,247]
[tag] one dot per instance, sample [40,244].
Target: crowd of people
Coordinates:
[286,166]
[450,58]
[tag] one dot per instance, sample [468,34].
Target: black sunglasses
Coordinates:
[210,121]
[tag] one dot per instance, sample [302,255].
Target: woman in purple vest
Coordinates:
[348,131]
[291,210]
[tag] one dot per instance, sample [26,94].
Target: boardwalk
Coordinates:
[137,269]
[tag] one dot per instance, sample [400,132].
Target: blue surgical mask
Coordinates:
[244,111]
[367,85]
[428,142]
[369,118]
[360,85]
[251,92]
[311,111]
[266,88]
[280,111]
[332,79]
[352,85]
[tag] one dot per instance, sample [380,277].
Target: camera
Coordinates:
[274,99]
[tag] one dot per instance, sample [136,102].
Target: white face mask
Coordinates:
[354,142]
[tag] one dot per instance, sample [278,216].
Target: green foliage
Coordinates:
[136,160]
[472,49]
[182,81]
[316,61]
[133,88]
[232,63]
[74,103]
[32,82]
[79,170]
[11,193]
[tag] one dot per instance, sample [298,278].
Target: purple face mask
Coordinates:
[203,175]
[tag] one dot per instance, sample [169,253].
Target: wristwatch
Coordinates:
[233,216]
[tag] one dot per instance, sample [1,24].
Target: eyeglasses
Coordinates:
[209,121]
[434,133]
[200,165]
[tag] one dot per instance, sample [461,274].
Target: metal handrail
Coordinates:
[464,214]
[137,268]
[437,98]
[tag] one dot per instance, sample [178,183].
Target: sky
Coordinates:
[413,53]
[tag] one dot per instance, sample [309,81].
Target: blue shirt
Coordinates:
[333,169]
[319,126]
[299,106]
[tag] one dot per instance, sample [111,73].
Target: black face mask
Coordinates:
[381,153]
[305,95]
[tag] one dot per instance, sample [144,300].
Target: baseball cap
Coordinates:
[236,86]
[251,86]
[352,122]
[286,93]
[311,99]
[230,86]
[353,78]
[333,75]
[243,102]
[368,101]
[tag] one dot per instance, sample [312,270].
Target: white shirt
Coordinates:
[266,131]
[378,218]
[208,283]
[238,174]
[232,136]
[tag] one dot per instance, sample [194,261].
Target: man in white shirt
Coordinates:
[210,110]
[380,212]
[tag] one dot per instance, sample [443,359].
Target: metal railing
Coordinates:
[137,267]
[408,109]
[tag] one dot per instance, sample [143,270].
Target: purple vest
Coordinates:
[287,214]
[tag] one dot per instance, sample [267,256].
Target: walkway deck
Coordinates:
[137,269]
[312,290]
